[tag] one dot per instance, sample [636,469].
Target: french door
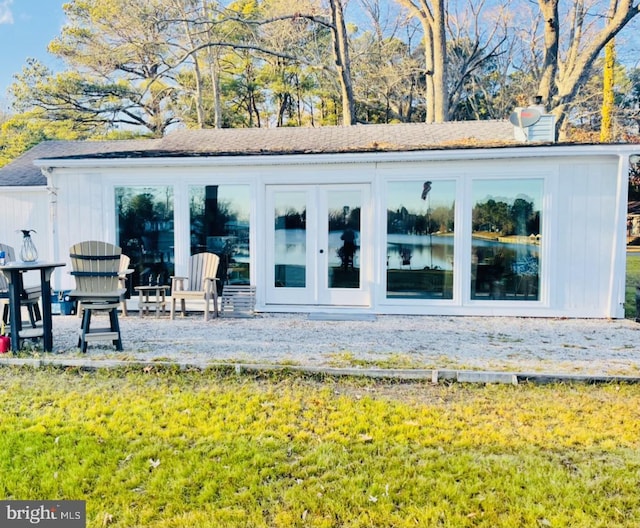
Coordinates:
[318,247]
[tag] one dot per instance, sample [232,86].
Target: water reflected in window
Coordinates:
[505,253]
[290,240]
[343,223]
[420,234]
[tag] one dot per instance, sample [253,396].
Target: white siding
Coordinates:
[80,215]
[25,208]
[586,229]
[580,219]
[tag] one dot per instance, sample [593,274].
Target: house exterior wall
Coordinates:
[582,233]
[586,219]
[26,208]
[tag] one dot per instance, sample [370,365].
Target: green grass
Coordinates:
[633,279]
[165,448]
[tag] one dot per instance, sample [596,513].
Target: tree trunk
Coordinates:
[441,95]
[430,98]
[547,87]
[198,77]
[213,73]
[432,19]
[606,125]
[343,63]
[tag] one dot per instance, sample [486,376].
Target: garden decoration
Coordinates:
[28,251]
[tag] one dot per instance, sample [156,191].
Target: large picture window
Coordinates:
[420,233]
[505,253]
[145,232]
[219,222]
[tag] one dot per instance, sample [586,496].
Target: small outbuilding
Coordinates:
[446,219]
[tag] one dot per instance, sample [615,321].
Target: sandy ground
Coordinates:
[556,346]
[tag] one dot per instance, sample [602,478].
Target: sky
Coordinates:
[26,28]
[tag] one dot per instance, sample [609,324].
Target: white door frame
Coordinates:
[315,290]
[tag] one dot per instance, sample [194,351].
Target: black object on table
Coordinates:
[13,271]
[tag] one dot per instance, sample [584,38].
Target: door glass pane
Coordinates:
[145,232]
[344,239]
[505,252]
[219,222]
[290,251]
[420,232]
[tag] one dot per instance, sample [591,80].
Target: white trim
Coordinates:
[24,189]
[361,157]
[617,278]
[377,169]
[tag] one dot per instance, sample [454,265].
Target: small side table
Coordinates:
[158,302]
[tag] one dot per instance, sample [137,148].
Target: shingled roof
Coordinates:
[265,141]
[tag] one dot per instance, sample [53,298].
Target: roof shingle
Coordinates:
[264,141]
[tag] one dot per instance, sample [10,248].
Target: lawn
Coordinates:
[633,279]
[168,448]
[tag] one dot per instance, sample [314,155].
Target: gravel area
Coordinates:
[504,344]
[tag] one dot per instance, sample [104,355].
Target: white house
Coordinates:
[449,219]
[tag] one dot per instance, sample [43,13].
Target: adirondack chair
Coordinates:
[28,298]
[96,269]
[123,274]
[201,284]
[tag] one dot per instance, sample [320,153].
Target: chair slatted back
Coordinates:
[9,256]
[124,263]
[202,266]
[95,266]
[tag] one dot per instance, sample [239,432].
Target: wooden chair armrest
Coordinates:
[177,283]
[210,283]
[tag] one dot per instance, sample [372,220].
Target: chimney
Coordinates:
[533,124]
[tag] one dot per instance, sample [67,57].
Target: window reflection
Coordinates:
[219,223]
[420,232]
[505,259]
[145,232]
[343,224]
[290,240]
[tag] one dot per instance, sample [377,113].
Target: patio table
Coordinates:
[13,271]
[158,302]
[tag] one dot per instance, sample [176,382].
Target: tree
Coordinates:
[342,61]
[478,36]
[630,103]
[432,18]
[116,51]
[606,127]
[335,22]
[572,43]
[384,68]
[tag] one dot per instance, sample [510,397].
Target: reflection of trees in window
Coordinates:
[218,225]
[519,218]
[145,231]
[419,239]
[340,219]
[209,217]
[402,221]
[505,263]
[291,219]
